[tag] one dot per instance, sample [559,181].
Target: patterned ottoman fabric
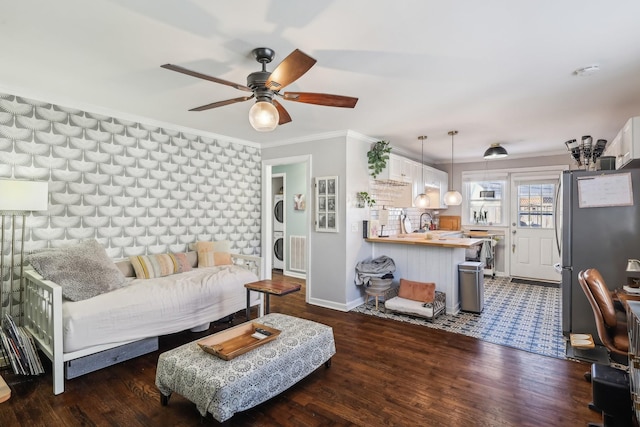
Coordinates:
[226,387]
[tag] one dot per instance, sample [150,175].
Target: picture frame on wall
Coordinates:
[326,202]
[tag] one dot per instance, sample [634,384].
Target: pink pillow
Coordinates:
[417,291]
[211,254]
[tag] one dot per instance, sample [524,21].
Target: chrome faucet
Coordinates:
[420,221]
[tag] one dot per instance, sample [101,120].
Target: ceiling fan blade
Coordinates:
[221,103]
[205,77]
[321,99]
[284,115]
[289,70]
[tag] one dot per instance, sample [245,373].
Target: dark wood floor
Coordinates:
[384,373]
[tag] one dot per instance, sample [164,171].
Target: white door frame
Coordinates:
[517,178]
[267,220]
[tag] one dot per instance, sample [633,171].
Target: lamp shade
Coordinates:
[264,116]
[452,198]
[421,201]
[23,196]
[633,265]
[496,151]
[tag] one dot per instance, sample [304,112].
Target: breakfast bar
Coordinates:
[427,257]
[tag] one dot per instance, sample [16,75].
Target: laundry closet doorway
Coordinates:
[286,186]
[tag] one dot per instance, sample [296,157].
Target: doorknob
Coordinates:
[513,232]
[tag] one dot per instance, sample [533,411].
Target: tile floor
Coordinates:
[517,315]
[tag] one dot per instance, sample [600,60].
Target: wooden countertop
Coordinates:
[452,242]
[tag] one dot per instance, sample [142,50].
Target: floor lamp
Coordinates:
[17,198]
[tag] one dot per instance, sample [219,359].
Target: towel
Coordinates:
[380,267]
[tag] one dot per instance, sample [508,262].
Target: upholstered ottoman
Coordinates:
[223,388]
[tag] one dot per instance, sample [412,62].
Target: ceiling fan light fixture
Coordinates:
[264,116]
[496,151]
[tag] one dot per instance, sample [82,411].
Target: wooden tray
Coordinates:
[233,342]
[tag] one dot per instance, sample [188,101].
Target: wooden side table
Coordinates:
[270,287]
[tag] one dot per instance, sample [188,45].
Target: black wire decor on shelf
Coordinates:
[586,152]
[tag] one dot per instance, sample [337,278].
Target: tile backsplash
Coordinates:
[395,217]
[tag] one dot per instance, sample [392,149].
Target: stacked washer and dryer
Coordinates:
[278,231]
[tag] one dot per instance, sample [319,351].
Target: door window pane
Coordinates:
[535,205]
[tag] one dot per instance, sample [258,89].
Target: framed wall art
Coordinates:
[327,204]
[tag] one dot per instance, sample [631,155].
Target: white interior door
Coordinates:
[532,229]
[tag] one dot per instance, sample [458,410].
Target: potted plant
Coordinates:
[378,157]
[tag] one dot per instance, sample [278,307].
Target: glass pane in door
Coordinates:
[535,205]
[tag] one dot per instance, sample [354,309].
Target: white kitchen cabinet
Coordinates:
[419,178]
[614,149]
[396,170]
[441,182]
[625,147]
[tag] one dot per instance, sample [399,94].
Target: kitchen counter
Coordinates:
[420,239]
[427,260]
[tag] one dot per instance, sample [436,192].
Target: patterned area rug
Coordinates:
[519,315]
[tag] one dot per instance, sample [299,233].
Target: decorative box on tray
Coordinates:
[238,340]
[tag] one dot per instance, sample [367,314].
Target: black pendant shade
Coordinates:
[496,151]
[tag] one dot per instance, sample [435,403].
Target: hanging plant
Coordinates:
[378,157]
[366,198]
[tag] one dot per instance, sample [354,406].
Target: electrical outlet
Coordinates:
[354,226]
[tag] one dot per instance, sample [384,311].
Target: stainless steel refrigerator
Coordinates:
[602,233]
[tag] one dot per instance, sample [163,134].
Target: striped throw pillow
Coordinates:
[150,266]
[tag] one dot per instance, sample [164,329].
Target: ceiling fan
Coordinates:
[265,86]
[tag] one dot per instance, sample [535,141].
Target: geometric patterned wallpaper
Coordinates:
[136,188]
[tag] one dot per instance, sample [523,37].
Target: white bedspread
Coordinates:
[153,307]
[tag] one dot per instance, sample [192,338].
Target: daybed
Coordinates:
[121,323]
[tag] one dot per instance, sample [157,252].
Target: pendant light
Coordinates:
[496,151]
[452,197]
[422,200]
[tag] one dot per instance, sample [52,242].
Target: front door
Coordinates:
[533,208]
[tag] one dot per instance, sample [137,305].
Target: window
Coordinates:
[485,201]
[535,205]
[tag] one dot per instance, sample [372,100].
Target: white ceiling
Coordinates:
[495,70]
